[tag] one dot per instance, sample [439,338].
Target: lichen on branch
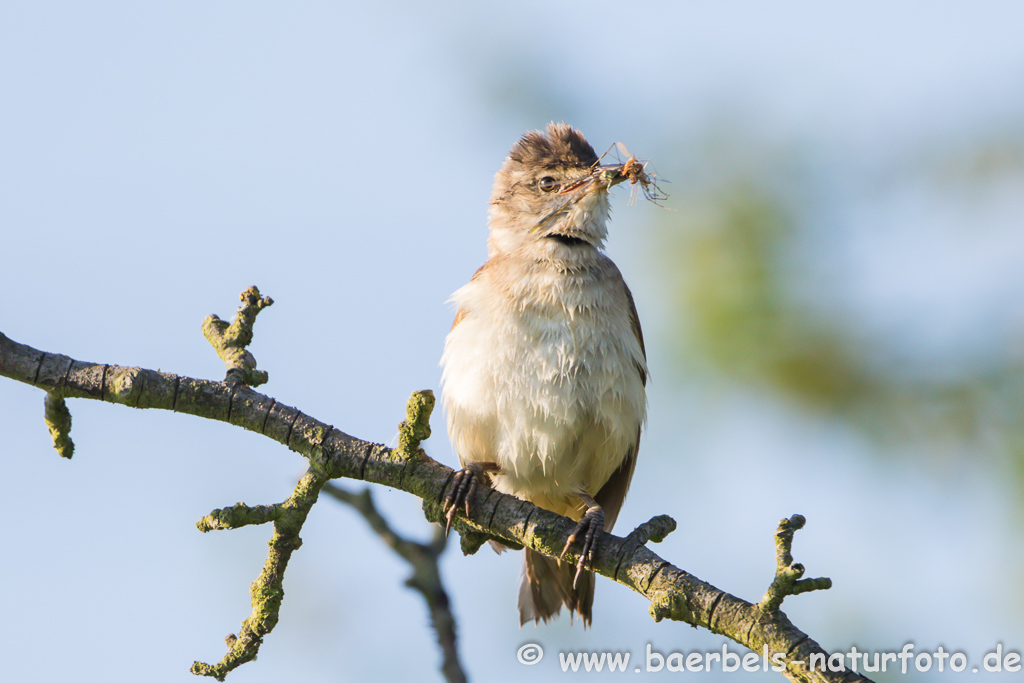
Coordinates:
[267,591]
[230,340]
[58,421]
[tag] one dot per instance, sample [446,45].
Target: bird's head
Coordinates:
[551,191]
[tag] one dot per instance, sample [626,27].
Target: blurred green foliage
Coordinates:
[755,297]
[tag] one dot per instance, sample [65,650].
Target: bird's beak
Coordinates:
[600,178]
[604,177]
[582,182]
[612,173]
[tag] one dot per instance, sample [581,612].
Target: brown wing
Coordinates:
[459,315]
[613,493]
[634,323]
[462,312]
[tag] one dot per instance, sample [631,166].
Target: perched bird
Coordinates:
[544,368]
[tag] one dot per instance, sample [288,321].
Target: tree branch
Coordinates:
[672,592]
[426,574]
[787,574]
[422,557]
[267,591]
[230,341]
[58,421]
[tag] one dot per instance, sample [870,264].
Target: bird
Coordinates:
[544,369]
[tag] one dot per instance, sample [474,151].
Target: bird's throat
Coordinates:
[567,240]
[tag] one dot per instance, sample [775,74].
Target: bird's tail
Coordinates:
[547,585]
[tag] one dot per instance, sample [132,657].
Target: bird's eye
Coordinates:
[548,184]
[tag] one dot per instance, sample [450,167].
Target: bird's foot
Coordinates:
[464,484]
[589,528]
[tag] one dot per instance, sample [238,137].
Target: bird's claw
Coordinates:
[589,528]
[464,485]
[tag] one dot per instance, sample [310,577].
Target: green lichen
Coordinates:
[230,340]
[267,591]
[416,427]
[58,421]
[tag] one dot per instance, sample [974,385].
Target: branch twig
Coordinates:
[230,341]
[58,421]
[426,575]
[422,557]
[267,591]
[787,579]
